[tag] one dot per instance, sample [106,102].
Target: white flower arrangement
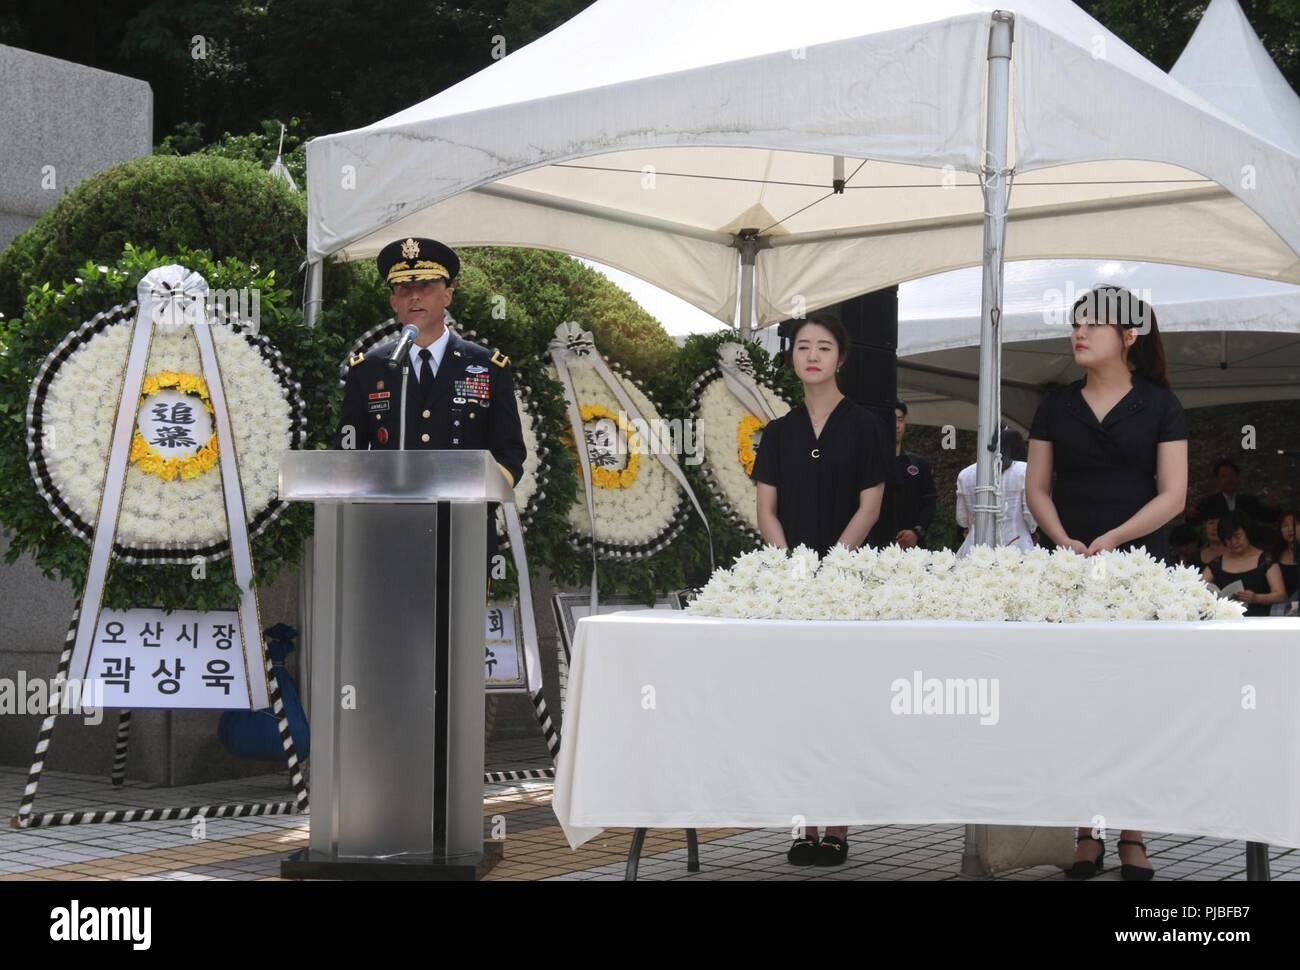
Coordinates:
[721,416]
[643,511]
[79,409]
[999,584]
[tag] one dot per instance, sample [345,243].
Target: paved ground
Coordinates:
[534,849]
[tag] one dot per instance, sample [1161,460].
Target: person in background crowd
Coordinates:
[821,471]
[1108,466]
[1287,556]
[1260,576]
[1214,546]
[912,492]
[1016,525]
[1228,499]
[1185,546]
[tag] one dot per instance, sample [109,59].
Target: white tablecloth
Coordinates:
[676,721]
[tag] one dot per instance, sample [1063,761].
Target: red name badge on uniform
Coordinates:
[377,395]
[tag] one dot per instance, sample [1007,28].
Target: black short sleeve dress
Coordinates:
[1255,580]
[819,478]
[1106,471]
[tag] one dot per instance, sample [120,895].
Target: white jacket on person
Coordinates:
[1016,525]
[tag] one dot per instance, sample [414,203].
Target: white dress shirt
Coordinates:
[1016,525]
[438,347]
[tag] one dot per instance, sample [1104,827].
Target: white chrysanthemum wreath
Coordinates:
[638,505]
[730,436]
[170,512]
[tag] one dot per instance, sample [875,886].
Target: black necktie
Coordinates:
[426,372]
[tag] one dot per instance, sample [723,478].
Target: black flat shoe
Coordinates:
[1085,869]
[832,851]
[1131,873]
[802,853]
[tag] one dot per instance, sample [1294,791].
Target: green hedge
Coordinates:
[228,208]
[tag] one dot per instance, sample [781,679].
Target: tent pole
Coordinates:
[312,300]
[995,209]
[747,243]
[988,445]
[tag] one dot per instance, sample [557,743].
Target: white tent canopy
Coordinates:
[1229,339]
[1226,64]
[648,138]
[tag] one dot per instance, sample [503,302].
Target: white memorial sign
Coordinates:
[183,659]
[503,662]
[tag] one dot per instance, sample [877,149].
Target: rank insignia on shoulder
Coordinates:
[499,358]
[356,359]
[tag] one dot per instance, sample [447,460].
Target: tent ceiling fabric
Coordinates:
[646,142]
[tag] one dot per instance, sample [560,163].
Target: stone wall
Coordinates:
[62,123]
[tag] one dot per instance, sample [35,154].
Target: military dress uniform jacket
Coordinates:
[470,405]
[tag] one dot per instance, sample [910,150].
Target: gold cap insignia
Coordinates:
[410,249]
[424,269]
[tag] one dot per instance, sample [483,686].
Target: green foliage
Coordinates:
[555,288]
[259,147]
[50,313]
[228,208]
[1160,29]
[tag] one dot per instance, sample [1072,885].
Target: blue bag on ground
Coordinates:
[255,734]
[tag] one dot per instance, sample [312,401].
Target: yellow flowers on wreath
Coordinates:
[147,458]
[185,383]
[614,477]
[745,431]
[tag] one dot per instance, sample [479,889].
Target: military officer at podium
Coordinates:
[442,391]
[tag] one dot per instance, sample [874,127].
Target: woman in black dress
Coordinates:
[1116,442]
[1213,544]
[821,472]
[1260,575]
[1288,554]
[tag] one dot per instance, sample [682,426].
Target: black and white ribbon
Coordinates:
[738,374]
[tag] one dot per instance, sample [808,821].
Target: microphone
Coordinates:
[409,333]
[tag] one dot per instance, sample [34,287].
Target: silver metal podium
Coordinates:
[397,688]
